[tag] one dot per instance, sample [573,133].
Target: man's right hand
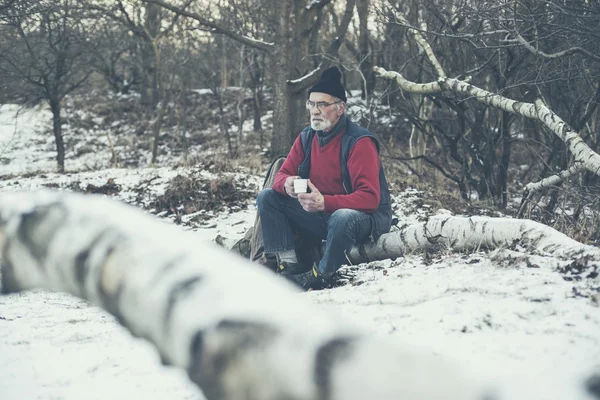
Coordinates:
[289,186]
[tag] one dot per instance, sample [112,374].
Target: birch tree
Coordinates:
[239,331]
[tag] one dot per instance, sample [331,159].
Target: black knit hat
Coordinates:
[330,83]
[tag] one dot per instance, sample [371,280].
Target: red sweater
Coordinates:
[326,173]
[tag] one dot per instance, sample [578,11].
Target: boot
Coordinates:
[288,268]
[311,280]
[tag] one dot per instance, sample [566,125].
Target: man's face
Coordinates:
[325,117]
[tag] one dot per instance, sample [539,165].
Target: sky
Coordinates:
[489,312]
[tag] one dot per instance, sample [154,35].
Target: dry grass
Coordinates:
[188,194]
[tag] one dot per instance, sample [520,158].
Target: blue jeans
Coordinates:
[342,229]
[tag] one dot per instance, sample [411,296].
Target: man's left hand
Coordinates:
[313,201]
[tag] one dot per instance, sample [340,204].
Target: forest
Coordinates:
[487,112]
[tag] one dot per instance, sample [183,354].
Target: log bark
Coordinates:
[238,330]
[471,233]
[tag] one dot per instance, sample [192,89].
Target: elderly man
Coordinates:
[348,200]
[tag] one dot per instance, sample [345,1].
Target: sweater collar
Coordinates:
[326,137]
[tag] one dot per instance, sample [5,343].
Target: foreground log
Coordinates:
[238,330]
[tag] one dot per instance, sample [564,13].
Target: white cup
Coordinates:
[300,185]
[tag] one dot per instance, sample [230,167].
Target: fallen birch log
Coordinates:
[239,331]
[469,233]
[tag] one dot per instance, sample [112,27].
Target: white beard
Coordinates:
[320,125]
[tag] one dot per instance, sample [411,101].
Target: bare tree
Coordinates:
[115,56]
[42,49]
[292,30]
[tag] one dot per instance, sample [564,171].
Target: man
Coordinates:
[348,200]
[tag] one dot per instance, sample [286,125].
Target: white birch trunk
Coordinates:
[470,233]
[240,332]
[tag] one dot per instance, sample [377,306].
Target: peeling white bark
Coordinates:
[469,233]
[239,331]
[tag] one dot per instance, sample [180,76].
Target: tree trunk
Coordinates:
[256,111]
[161,284]
[505,159]
[158,122]
[181,113]
[282,124]
[298,114]
[58,137]
[366,58]
[231,144]
[256,83]
[150,92]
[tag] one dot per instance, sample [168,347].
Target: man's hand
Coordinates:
[313,201]
[289,186]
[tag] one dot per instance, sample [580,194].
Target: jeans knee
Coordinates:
[344,218]
[264,197]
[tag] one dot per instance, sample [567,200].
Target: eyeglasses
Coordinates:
[319,104]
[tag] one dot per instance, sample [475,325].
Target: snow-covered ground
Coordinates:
[518,322]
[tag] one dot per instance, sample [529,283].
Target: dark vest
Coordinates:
[382,216]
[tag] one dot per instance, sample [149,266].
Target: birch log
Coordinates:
[468,233]
[240,331]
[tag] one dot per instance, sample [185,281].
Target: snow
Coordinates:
[490,313]
[20,130]
[515,323]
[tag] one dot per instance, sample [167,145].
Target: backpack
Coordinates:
[251,245]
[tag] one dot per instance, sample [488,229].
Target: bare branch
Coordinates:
[560,54]
[454,35]
[301,81]
[564,53]
[216,28]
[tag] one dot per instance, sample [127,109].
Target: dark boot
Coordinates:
[288,268]
[310,280]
